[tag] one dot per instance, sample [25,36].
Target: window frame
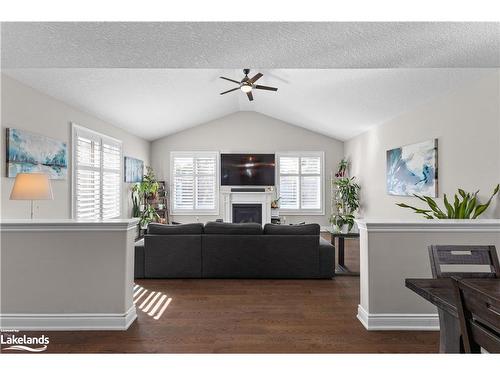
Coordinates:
[74,131]
[299,154]
[195,212]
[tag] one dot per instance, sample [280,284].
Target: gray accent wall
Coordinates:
[31,110]
[248,132]
[467,125]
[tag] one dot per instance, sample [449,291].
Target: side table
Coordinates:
[338,241]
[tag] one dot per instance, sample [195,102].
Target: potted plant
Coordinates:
[345,199]
[149,185]
[342,223]
[464,206]
[149,215]
[142,193]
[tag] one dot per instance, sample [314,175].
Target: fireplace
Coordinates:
[247,213]
[245,199]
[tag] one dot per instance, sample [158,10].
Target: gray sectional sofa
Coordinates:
[225,250]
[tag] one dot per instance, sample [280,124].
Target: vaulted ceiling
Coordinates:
[153,103]
[154,79]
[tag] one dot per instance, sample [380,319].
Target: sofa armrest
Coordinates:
[139,259]
[326,259]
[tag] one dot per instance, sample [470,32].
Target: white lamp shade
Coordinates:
[31,186]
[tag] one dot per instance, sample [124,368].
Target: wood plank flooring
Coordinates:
[251,316]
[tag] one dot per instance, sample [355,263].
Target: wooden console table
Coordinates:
[339,238]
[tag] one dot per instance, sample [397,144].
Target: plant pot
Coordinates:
[344,229]
[335,228]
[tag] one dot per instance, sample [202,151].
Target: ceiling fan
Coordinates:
[248,84]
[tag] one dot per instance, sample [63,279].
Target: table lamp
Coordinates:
[31,186]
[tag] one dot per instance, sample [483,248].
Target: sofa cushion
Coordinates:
[194,228]
[233,228]
[311,229]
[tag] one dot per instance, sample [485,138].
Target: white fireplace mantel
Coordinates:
[263,198]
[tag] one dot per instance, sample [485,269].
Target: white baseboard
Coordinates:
[68,322]
[398,322]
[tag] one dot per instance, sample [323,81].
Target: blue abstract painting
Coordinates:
[412,169]
[33,153]
[134,169]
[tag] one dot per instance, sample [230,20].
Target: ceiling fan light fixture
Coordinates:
[247,85]
[246,88]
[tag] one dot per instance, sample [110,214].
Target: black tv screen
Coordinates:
[247,169]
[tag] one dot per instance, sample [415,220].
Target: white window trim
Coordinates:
[74,128]
[301,212]
[194,212]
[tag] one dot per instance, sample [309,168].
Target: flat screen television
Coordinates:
[247,169]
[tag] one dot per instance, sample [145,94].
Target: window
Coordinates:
[300,182]
[97,166]
[194,182]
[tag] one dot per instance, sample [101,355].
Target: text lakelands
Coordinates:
[23,340]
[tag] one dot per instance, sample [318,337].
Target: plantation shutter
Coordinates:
[289,182]
[194,182]
[310,183]
[97,176]
[183,183]
[205,183]
[111,179]
[300,182]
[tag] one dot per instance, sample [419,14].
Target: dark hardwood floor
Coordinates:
[251,316]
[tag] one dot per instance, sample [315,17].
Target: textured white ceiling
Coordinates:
[252,44]
[339,103]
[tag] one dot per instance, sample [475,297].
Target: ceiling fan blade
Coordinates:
[231,80]
[250,96]
[255,77]
[269,88]
[225,92]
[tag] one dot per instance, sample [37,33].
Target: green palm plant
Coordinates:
[464,206]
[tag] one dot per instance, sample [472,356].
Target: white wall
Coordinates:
[467,124]
[248,132]
[28,109]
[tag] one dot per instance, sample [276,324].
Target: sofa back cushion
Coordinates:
[233,228]
[303,229]
[194,228]
[251,256]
